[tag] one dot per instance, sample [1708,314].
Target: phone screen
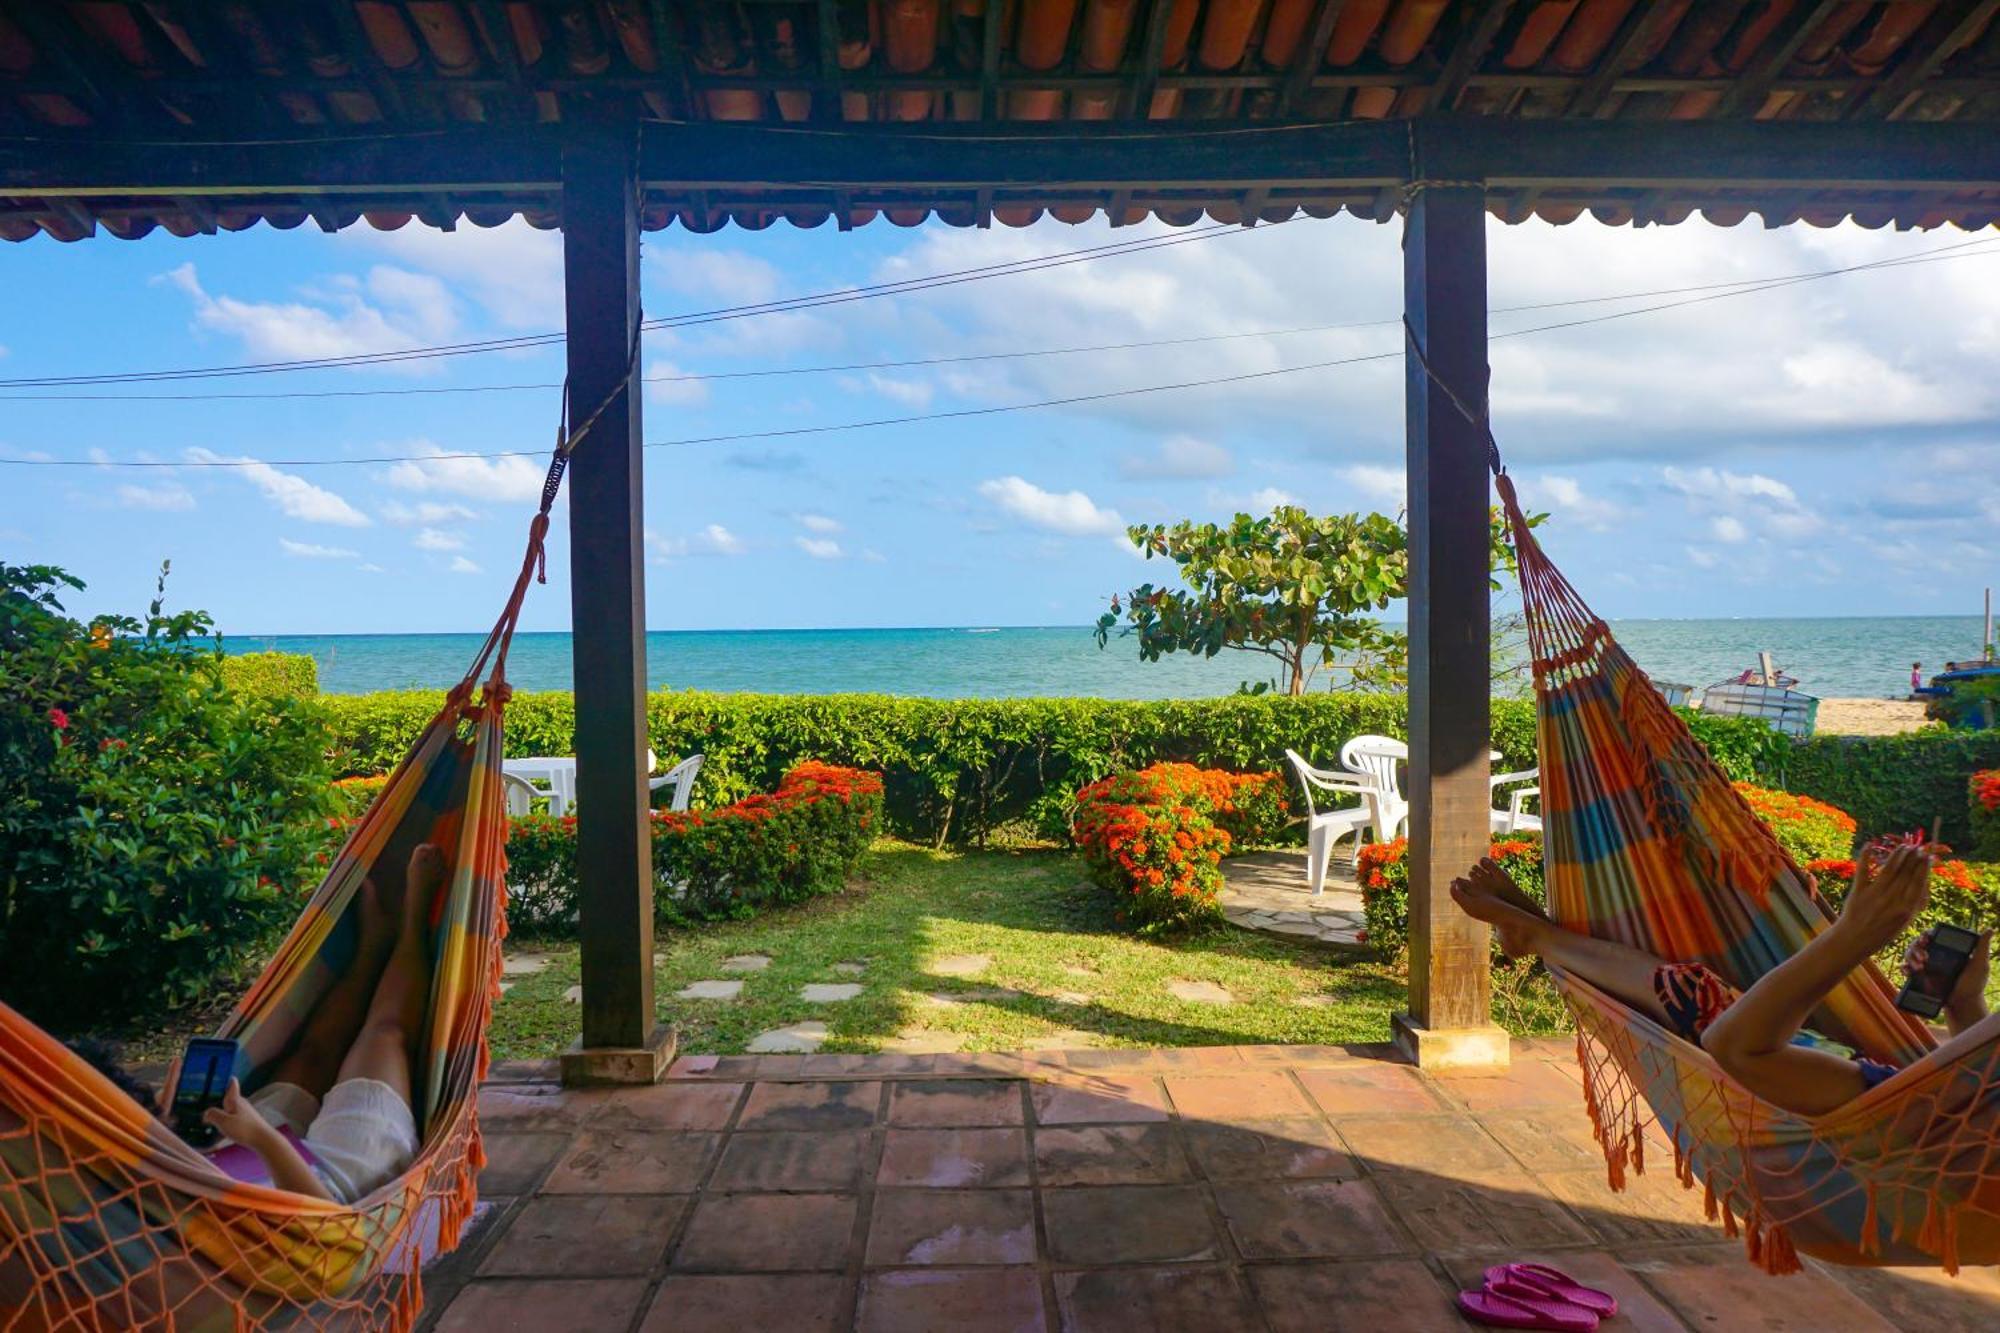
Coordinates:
[1926,991]
[206,1069]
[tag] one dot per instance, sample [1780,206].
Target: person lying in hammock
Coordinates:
[344,1087]
[1755,1034]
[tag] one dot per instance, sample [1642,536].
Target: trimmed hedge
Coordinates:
[956,769]
[1892,784]
[1983,809]
[271,675]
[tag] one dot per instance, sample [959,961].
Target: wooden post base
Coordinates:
[599,1066]
[1434,1049]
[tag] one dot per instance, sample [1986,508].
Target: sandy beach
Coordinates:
[1868,717]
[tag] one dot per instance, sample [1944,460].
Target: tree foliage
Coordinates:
[1298,589]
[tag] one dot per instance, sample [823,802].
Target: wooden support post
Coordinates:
[1444,299]
[600,212]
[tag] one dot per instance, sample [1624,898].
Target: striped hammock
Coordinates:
[110,1221]
[1647,843]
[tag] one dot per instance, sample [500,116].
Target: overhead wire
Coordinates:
[1957,250]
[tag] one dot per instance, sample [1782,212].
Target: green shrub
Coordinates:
[1983,813]
[273,675]
[1971,704]
[1963,893]
[1808,829]
[800,841]
[1155,838]
[1383,871]
[156,827]
[1891,784]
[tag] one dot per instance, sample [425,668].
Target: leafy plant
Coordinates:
[156,827]
[1983,809]
[1891,784]
[1972,704]
[1297,589]
[1383,871]
[292,675]
[1963,893]
[1808,829]
[1155,838]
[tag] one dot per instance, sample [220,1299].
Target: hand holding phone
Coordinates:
[1946,952]
[206,1068]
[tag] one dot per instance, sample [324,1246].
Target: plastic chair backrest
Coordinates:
[520,795]
[681,778]
[1378,758]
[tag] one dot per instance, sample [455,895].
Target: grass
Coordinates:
[1060,970]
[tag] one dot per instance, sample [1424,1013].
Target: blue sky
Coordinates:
[1821,449]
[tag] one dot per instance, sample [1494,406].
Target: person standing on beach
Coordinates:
[1916,676]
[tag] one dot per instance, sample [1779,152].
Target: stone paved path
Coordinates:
[1268,891]
[1068,1191]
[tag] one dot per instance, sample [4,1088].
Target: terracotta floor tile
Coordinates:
[1551,1139]
[543,1306]
[1269,1149]
[1368,1088]
[1113,1059]
[879,1063]
[1109,1155]
[585,1236]
[736,1303]
[954,1158]
[832,1064]
[829,1160]
[1244,1095]
[623,1161]
[514,1162]
[1330,1219]
[768,1232]
[1651,1207]
[952,1227]
[1379,1296]
[1100,1099]
[670,1106]
[1294,1055]
[836,1105]
[1639,1310]
[1003,1300]
[1526,1084]
[522,1108]
[1129,1224]
[1925,1298]
[954,1103]
[1158,1300]
[988,1064]
[1215,1059]
[1713,1286]
[1502,1210]
[1437,1145]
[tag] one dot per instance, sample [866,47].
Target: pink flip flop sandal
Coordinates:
[1498,1310]
[1542,1280]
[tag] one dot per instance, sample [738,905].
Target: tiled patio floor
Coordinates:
[1211,1189]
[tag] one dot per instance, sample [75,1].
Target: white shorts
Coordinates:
[362,1137]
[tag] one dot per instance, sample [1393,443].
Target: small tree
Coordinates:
[1295,588]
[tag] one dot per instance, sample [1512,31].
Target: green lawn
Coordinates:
[1060,970]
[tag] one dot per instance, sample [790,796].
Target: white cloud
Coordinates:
[1383,488]
[873,556]
[1702,558]
[292,494]
[667,385]
[513,478]
[819,523]
[1270,497]
[907,393]
[1745,504]
[371,568]
[311,551]
[711,540]
[1728,528]
[425,512]
[385,310]
[512,271]
[1566,499]
[819,548]
[700,269]
[1071,513]
[435,539]
[1178,457]
[165,496]
[1706,483]
[461,565]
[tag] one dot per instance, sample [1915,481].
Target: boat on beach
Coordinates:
[1764,692]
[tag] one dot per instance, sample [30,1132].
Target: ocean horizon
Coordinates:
[1833,657]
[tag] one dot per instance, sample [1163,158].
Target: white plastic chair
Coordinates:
[520,795]
[553,778]
[680,777]
[1324,828]
[1515,818]
[1378,760]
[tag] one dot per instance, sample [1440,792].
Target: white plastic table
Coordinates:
[552,777]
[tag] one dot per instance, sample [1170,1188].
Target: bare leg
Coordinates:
[383,1047]
[329,1031]
[1488,894]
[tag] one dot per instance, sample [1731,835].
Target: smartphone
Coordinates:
[206,1068]
[1925,992]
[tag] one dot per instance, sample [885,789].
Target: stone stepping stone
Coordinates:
[1314,1001]
[793,1039]
[977,995]
[849,969]
[1068,1039]
[506,986]
[746,962]
[574,995]
[1199,992]
[923,1041]
[961,965]
[1078,970]
[828,992]
[1070,997]
[523,964]
[710,990]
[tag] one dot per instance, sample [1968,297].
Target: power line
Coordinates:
[1957,250]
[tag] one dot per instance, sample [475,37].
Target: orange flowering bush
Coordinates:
[1156,837]
[1383,870]
[1985,793]
[1963,893]
[1808,829]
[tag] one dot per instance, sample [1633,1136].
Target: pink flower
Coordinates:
[59,719]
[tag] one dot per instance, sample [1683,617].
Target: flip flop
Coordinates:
[1497,1310]
[1542,1280]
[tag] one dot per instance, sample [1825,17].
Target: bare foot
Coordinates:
[1488,877]
[1519,931]
[420,888]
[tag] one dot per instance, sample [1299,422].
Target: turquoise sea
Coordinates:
[1848,657]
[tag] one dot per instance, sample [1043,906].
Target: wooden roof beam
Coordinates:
[1949,28]
[1641,25]
[1151,51]
[1309,57]
[1747,95]
[1474,41]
